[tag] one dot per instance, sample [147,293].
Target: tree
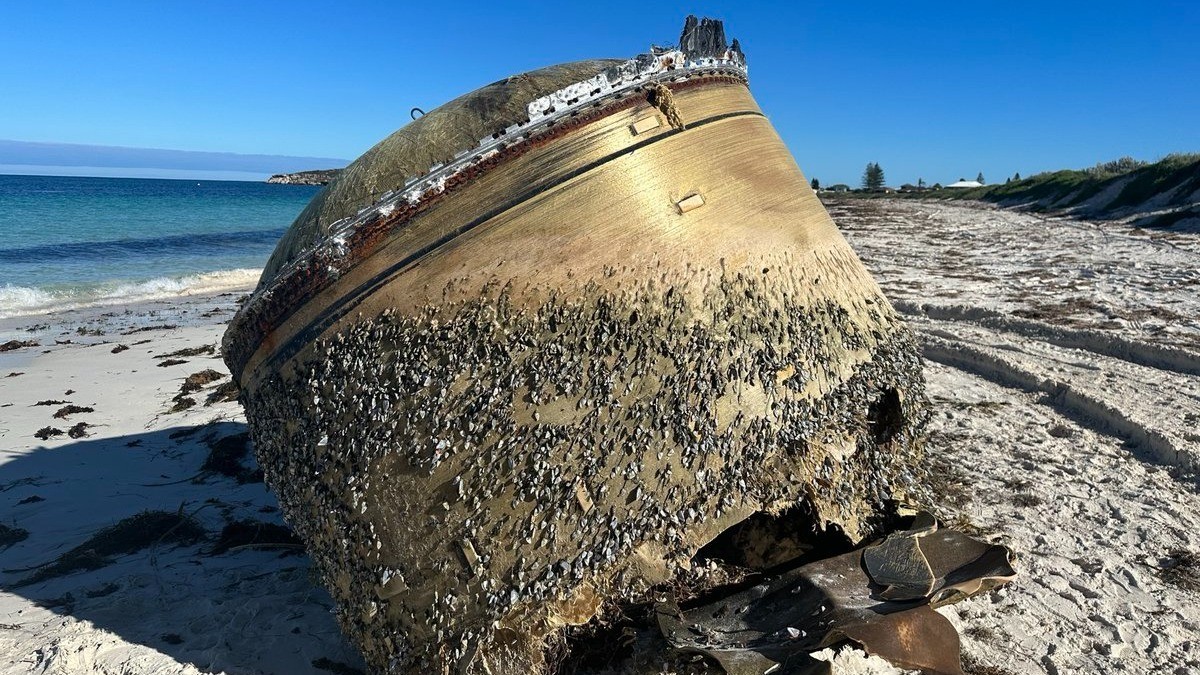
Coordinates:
[920,182]
[816,184]
[1017,176]
[873,176]
[979,179]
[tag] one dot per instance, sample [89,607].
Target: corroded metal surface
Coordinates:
[550,383]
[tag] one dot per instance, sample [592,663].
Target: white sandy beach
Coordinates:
[1064,369]
[164,608]
[1070,436]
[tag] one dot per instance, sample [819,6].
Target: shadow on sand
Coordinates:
[253,608]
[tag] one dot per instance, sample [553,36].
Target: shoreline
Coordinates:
[125,297]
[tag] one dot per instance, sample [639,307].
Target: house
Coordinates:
[965,184]
[840,187]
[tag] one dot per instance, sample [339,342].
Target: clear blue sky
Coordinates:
[936,90]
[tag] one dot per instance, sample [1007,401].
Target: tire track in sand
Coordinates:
[1147,395]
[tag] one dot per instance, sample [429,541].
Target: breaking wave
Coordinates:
[25,300]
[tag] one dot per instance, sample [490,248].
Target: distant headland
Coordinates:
[314,177]
[27,157]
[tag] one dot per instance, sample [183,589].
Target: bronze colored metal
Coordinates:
[551,384]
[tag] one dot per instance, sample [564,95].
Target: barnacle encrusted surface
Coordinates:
[472,476]
[499,396]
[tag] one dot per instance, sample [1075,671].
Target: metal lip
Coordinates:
[355,237]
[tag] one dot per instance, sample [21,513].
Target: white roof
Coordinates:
[966,184]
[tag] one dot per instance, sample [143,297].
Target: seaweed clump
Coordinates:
[12,535]
[223,393]
[69,410]
[255,534]
[197,381]
[130,535]
[225,457]
[203,350]
[46,433]
[181,403]
[1182,569]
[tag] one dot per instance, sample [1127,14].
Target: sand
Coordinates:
[165,608]
[1062,364]
[1064,367]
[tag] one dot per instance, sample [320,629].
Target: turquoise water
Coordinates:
[67,241]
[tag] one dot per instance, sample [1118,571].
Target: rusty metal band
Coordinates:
[269,308]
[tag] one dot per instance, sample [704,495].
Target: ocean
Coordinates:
[72,241]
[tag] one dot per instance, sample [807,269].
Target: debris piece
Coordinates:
[627,350]
[826,602]
[65,602]
[469,555]
[582,496]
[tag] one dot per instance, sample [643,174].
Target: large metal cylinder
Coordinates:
[489,403]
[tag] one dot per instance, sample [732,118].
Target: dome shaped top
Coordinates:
[409,152]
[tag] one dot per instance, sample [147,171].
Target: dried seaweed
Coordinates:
[255,534]
[130,535]
[12,535]
[66,410]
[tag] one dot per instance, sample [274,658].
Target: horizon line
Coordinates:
[110,159]
[137,173]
